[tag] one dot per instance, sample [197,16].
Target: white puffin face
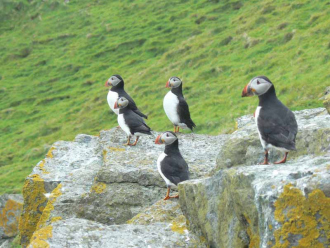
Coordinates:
[121,102]
[173,82]
[166,138]
[114,80]
[257,86]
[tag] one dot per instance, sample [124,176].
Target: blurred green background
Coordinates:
[55,58]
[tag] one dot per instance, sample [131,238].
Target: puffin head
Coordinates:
[121,102]
[166,138]
[257,86]
[114,80]
[173,82]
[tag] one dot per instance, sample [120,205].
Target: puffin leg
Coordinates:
[178,129]
[174,129]
[175,196]
[168,193]
[128,141]
[266,158]
[137,138]
[283,160]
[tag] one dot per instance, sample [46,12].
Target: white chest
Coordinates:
[160,159]
[170,105]
[256,115]
[122,124]
[112,98]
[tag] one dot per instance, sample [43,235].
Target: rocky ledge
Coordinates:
[96,192]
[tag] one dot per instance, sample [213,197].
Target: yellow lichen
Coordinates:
[98,187]
[254,237]
[39,238]
[117,149]
[49,207]
[54,219]
[307,217]
[42,167]
[270,227]
[179,224]
[50,152]
[34,203]
[9,217]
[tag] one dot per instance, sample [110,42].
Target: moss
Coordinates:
[307,217]
[34,203]
[9,217]
[98,187]
[50,152]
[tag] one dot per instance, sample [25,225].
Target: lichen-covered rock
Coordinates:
[10,211]
[100,179]
[280,206]
[244,148]
[81,233]
[326,101]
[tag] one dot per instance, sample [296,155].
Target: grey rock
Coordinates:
[244,148]
[258,206]
[82,233]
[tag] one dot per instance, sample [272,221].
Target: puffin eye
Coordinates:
[258,82]
[167,135]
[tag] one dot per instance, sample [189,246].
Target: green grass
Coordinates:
[55,59]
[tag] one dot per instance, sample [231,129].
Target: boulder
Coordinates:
[262,205]
[97,178]
[244,148]
[10,211]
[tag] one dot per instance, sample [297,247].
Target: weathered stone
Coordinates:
[100,179]
[10,211]
[82,233]
[262,206]
[326,101]
[244,148]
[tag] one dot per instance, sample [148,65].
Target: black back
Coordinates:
[173,166]
[119,88]
[276,123]
[183,108]
[135,122]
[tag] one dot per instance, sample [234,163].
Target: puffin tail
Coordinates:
[190,124]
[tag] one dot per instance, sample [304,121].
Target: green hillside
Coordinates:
[55,58]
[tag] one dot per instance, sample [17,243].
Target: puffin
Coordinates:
[117,90]
[176,107]
[276,124]
[129,121]
[171,165]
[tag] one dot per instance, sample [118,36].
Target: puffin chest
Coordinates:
[112,98]
[123,125]
[159,167]
[170,104]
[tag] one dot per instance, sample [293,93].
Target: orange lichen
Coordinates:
[179,224]
[307,217]
[9,217]
[254,237]
[34,203]
[39,238]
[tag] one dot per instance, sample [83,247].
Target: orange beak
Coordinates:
[158,140]
[168,84]
[106,84]
[116,105]
[247,91]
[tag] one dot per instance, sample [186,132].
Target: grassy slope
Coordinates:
[53,67]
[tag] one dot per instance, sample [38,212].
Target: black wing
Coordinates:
[184,114]
[132,104]
[278,126]
[136,123]
[175,169]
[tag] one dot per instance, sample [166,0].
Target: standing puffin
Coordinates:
[277,125]
[171,165]
[117,90]
[176,107]
[129,121]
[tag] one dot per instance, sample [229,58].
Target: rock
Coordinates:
[10,211]
[83,233]
[99,179]
[326,99]
[244,148]
[262,206]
